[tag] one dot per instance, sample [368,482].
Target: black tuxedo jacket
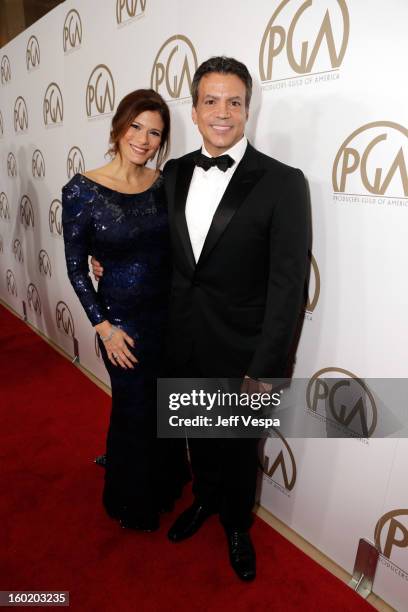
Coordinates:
[235,311]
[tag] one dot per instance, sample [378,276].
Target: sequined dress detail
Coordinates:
[128,234]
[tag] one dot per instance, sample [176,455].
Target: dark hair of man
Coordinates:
[223,65]
[129,108]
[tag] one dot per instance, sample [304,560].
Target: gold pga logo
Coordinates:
[55,218]
[11,165]
[33,298]
[278,461]
[342,397]
[64,319]
[100,92]
[391,533]
[44,263]
[18,250]
[32,53]
[314,285]
[72,31]
[11,283]
[128,10]
[26,212]
[38,165]
[75,162]
[173,68]
[20,115]
[4,207]
[5,70]
[373,159]
[53,105]
[304,37]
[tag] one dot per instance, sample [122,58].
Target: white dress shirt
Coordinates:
[205,193]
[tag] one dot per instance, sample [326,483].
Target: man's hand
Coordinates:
[97,269]
[250,386]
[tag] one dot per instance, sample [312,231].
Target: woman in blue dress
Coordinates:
[118,214]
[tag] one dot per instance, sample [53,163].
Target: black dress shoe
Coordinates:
[241,553]
[188,523]
[131,521]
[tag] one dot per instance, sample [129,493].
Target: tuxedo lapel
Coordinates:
[183,180]
[242,182]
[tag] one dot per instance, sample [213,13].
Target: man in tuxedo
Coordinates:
[240,233]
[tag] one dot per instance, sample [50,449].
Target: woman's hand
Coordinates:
[116,341]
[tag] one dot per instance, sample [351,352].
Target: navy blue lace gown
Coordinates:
[128,234]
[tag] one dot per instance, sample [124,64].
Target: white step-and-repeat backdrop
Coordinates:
[329,98]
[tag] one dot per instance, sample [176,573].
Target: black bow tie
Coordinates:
[223,162]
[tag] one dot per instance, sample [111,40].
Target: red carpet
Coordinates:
[55,535]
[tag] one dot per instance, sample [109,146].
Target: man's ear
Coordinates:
[194,115]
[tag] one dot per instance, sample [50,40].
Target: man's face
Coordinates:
[220,114]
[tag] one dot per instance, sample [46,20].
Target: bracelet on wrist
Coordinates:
[109,336]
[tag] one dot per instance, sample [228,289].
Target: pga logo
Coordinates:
[173,68]
[277,461]
[304,37]
[373,160]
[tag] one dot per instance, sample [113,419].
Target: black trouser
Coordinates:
[224,477]
[224,470]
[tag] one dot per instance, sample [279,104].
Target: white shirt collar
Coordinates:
[236,152]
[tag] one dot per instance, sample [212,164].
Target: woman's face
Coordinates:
[142,139]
